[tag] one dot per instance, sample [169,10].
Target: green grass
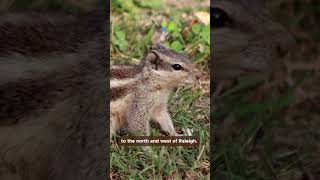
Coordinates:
[133,162]
[131,33]
[245,147]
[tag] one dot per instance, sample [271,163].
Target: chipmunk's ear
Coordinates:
[152,60]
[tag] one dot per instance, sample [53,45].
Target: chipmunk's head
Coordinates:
[246,39]
[169,68]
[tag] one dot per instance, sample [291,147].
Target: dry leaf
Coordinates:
[204,17]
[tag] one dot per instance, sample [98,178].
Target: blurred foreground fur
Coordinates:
[53,107]
[249,42]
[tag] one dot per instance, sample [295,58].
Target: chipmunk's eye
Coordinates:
[219,17]
[177,67]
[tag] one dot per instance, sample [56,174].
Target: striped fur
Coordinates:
[53,96]
[122,81]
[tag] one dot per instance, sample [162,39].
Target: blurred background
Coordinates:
[275,134]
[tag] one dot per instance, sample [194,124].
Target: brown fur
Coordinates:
[251,42]
[53,98]
[120,92]
[45,35]
[122,72]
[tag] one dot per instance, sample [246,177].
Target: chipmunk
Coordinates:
[140,93]
[246,39]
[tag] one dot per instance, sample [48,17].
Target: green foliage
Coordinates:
[133,6]
[177,46]
[124,6]
[120,40]
[153,4]
[198,35]
[172,27]
[146,41]
[196,28]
